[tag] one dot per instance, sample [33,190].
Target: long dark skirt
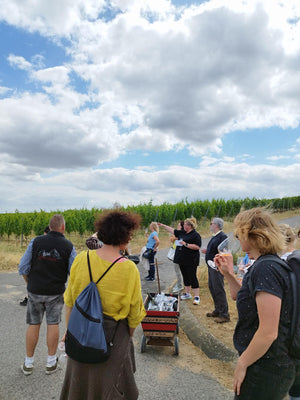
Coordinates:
[111,380]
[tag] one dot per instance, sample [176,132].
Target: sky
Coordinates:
[132,101]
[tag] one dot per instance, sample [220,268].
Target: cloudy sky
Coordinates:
[135,100]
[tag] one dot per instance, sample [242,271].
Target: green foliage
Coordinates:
[40,222]
[82,220]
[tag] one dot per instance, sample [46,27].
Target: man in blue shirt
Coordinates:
[45,267]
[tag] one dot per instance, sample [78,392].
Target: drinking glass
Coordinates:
[224,248]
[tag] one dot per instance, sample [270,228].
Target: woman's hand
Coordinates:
[239,376]
[224,264]
[225,267]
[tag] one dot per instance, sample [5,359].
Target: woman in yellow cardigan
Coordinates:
[121,298]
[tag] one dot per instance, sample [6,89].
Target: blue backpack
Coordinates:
[85,337]
[292,265]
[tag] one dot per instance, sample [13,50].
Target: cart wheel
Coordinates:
[177,328]
[176,344]
[143,344]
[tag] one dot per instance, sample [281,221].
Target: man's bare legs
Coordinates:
[32,337]
[52,339]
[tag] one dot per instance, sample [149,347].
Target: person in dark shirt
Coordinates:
[188,257]
[264,370]
[25,300]
[215,278]
[45,267]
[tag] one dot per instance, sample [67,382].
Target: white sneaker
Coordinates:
[186,296]
[51,369]
[27,370]
[196,300]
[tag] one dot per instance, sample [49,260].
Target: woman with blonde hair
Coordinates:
[290,241]
[188,257]
[151,248]
[264,369]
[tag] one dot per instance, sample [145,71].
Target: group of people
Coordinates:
[264,369]
[187,256]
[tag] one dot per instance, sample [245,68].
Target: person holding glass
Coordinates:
[264,370]
[215,278]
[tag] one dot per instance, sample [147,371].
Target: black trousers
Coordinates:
[267,379]
[217,291]
[189,274]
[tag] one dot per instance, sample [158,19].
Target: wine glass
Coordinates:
[212,265]
[224,248]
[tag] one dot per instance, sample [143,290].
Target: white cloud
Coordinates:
[58,17]
[276,158]
[56,75]
[101,188]
[19,62]
[4,90]
[158,78]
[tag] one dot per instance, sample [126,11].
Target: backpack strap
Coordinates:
[268,257]
[294,261]
[104,273]
[91,278]
[90,271]
[89,265]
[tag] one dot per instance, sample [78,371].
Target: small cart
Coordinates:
[160,327]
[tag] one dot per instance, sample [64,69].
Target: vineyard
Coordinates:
[82,221]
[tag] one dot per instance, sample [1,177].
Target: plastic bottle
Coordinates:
[61,346]
[62,359]
[240,274]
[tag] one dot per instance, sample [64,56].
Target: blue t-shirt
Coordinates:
[246,259]
[151,242]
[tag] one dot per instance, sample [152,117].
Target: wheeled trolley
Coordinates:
[160,328]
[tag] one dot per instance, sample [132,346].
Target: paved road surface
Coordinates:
[160,374]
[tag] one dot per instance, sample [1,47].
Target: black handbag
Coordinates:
[147,254]
[134,258]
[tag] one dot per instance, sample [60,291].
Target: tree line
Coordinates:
[82,220]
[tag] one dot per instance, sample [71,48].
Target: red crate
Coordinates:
[160,327]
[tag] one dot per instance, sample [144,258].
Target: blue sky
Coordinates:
[129,101]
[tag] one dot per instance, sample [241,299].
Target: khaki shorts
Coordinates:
[39,304]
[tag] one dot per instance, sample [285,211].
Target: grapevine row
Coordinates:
[82,220]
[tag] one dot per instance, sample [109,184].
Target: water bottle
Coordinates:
[63,360]
[240,274]
[61,346]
